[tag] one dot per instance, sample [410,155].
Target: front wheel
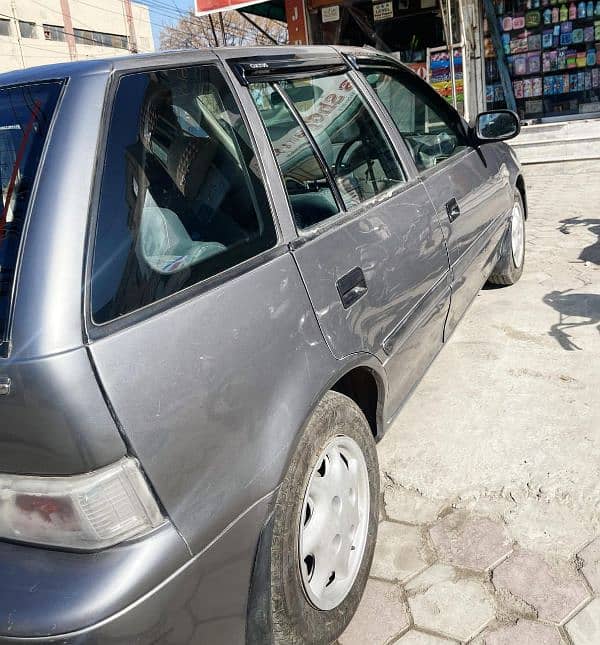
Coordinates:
[509,268]
[324,526]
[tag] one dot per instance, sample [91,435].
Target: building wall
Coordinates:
[96,18]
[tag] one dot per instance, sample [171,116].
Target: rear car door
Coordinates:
[370,249]
[470,190]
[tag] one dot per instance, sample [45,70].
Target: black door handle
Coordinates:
[351,287]
[453,209]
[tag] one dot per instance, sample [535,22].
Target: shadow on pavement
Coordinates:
[589,253]
[584,306]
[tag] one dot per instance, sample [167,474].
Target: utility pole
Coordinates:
[13,8]
[69,35]
[133,48]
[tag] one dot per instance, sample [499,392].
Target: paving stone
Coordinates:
[584,628]
[432,575]
[398,553]
[404,505]
[414,637]
[471,542]
[458,609]
[381,615]
[524,632]
[554,595]
[591,564]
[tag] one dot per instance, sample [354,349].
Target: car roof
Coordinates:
[175,57]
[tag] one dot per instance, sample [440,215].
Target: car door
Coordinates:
[370,249]
[469,189]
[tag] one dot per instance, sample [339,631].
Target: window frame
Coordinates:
[381,63]
[6,338]
[379,115]
[93,330]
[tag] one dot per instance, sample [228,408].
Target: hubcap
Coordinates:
[517,235]
[334,523]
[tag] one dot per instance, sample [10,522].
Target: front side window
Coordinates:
[429,126]
[25,115]
[181,198]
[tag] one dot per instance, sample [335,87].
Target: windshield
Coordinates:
[25,113]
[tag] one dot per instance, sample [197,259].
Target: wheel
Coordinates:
[324,526]
[510,265]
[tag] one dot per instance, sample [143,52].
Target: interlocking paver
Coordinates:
[590,557]
[381,615]
[458,609]
[470,542]
[552,594]
[523,632]
[399,552]
[432,575]
[584,628]
[414,637]
[405,505]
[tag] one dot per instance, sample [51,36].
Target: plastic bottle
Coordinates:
[547,15]
[564,13]
[555,14]
[597,9]
[572,11]
[581,9]
[590,9]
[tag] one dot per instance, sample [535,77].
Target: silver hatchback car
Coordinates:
[221,275]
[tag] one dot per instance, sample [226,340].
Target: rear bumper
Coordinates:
[149,591]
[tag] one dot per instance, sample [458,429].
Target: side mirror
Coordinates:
[497,125]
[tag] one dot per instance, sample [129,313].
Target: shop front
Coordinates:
[550,53]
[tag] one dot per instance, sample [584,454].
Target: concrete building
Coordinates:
[37,32]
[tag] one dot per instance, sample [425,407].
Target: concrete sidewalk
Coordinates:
[491,473]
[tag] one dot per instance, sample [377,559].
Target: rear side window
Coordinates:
[352,145]
[181,198]
[25,115]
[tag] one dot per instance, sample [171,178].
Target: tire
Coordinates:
[317,469]
[509,267]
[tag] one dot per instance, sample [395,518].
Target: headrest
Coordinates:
[188,162]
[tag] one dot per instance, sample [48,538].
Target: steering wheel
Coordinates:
[345,149]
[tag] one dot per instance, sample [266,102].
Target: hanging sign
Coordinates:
[383,11]
[330,14]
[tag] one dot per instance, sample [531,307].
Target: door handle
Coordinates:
[351,287]
[453,209]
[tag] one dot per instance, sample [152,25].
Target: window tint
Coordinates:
[352,142]
[181,195]
[309,192]
[431,129]
[25,114]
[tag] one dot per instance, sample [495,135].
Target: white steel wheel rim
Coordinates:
[517,228]
[334,523]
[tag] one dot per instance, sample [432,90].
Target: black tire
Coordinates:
[506,272]
[293,619]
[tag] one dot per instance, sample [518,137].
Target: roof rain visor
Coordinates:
[25,116]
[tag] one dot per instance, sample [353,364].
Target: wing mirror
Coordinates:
[497,125]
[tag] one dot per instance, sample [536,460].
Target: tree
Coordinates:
[229,28]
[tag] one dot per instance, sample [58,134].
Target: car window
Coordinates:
[182,197]
[310,194]
[352,142]
[429,126]
[25,115]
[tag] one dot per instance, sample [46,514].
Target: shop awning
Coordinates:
[274,9]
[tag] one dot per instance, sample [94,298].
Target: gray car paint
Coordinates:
[232,369]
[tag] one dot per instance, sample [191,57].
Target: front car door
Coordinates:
[469,188]
[370,249]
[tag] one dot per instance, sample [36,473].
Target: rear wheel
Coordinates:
[325,526]
[510,265]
